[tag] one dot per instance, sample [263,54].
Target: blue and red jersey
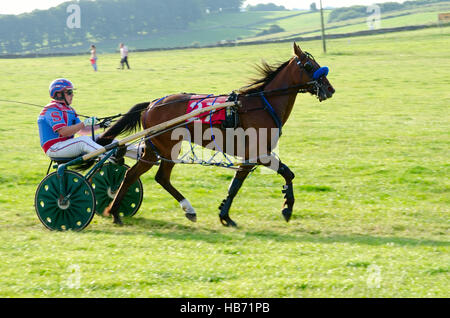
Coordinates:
[53,117]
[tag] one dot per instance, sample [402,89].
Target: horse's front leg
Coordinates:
[273,163]
[288,191]
[233,189]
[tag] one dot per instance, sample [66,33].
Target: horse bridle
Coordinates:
[310,69]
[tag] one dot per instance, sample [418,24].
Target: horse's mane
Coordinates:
[268,73]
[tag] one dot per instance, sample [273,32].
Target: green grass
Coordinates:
[371,217]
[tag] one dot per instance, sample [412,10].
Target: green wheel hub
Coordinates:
[107,181]
[73,210]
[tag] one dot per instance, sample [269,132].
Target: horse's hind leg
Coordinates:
[163,178]
[131,176]
[233,189]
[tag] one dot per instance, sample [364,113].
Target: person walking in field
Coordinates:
[58,122]
[123,56]
[94,57]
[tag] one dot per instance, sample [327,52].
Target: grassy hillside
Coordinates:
[309,25]
[214,28]
[245,26]
[372,193]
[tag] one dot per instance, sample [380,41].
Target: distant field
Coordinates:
[371,217]
[407,20]
[309,25]
[244,27]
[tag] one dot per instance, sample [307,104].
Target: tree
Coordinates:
[313,7]
[102,20]
[266,7]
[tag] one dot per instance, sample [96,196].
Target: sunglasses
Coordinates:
[69,92]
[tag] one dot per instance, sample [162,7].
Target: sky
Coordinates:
[22,6]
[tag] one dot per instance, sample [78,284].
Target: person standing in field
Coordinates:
[94,57]
[123,56]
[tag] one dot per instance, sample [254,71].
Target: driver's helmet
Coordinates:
[59,85]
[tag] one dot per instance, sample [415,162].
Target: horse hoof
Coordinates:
[227,222]
[189,210]
[118,221]
[287,213]
[191,217]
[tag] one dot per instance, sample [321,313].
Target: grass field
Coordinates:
[372,191]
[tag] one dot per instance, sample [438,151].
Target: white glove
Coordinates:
[105,123]
[91,121]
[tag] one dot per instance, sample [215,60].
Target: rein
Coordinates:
[40,106]
[105,121]
[300,88]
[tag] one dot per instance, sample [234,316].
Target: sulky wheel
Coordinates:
[107,181]
[73,210]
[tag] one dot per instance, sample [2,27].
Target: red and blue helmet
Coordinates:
[59,85]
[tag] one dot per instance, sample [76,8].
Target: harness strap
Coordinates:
[212,132]
[272,113]
[93,133]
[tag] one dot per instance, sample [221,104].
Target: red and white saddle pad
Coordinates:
[201,101]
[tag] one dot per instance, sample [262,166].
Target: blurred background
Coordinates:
[70,27]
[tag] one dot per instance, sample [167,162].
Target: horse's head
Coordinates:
[312,75]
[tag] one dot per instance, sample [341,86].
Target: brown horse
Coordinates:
[265,105]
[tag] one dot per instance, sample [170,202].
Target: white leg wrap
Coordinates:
[187,207]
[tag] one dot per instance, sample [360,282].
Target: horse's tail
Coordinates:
[129,122]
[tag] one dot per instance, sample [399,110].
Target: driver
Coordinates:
[58,122]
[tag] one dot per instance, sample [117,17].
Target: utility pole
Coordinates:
[323,29]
